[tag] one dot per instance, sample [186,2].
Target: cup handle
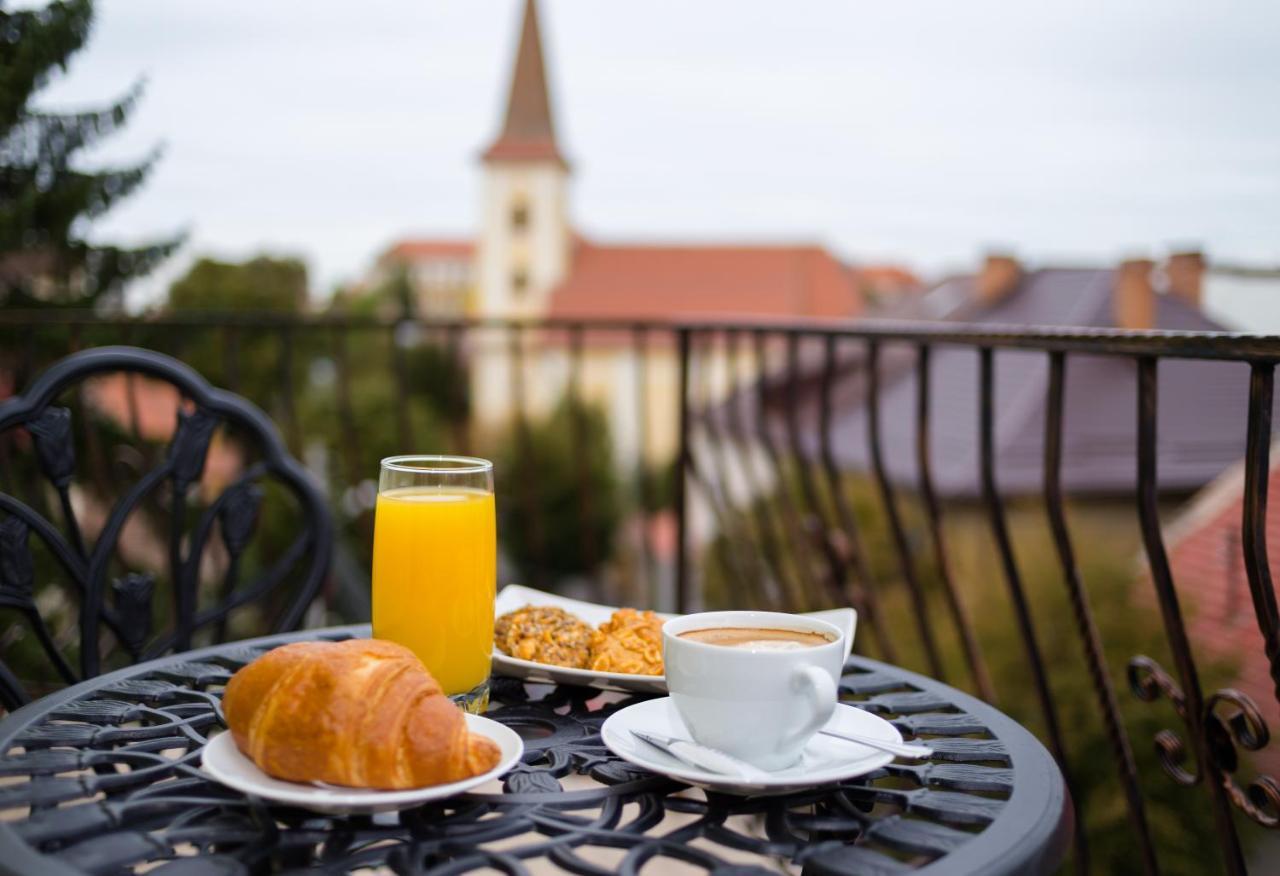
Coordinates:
[821,695]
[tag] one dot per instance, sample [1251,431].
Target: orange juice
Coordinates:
[435,577]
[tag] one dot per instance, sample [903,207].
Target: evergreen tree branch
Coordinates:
[49,139]
[32,43]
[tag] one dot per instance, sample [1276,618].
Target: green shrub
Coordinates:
[559,502]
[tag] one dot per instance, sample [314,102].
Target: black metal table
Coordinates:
[104,778]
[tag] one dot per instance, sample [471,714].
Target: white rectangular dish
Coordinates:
[513,597]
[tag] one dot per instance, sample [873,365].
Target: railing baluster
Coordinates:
[861,592]
[1090,641]
[933,514]
[800,583]
[682,463]
[102,473]
[715,486]
[813,523]
[1004,548]
[400,368]
[346,416]
[1253,527]
[131,403]
[901,548]
[461,416]
[231,357]
[288,410]
[27,363]
[526,465]
[760,510]
[581,453]
[640,353]
[1171,613]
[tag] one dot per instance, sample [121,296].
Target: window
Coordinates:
[520,216]
[520,280]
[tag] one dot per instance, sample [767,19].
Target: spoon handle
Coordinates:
[901,749]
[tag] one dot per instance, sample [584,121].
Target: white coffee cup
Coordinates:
[760,705]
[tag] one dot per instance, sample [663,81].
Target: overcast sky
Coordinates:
[922,132]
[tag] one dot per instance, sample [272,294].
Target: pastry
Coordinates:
[544,634]
[630,641]
[364,713]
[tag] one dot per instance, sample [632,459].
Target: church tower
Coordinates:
[525,241]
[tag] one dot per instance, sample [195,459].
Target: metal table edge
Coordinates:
[1043,832]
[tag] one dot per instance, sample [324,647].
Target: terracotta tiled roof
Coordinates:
[412,250]
[1207,561]
[660,282]
[528,131]
[888,277]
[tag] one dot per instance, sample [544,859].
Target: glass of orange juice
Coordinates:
[435,568]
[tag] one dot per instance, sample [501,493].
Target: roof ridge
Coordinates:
[811,247]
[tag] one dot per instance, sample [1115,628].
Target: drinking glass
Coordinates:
[435,568]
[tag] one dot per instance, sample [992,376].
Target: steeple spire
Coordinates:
[528,133]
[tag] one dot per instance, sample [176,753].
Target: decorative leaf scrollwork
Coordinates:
[132,595]
[1233,719]
[190,446]
[56,452]
[1149,682]
[239,516]
[17,574]
[527,781]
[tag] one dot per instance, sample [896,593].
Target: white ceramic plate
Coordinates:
[224,763]
[825,760]
[513,597]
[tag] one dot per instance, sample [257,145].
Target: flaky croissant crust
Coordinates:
[364,713]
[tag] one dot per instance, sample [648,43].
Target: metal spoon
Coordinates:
[899,749]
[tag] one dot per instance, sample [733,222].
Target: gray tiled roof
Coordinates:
[1202,405]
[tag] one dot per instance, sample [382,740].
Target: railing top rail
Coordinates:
[1231,346]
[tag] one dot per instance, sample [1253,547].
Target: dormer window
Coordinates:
[520,217]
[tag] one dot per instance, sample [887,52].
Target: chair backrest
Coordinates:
[212,522]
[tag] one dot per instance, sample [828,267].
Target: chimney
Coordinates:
[1133,299]
[1185,271]
[999,278]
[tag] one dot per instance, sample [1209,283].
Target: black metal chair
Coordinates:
[122,604]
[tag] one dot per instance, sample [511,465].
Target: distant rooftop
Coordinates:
[428,248]
[674,281]
[1202,404]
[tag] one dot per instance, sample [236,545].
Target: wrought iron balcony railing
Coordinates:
[937,477]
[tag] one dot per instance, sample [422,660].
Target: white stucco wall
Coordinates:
[541,250]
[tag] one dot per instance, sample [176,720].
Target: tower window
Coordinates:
[520,217]
[520,280]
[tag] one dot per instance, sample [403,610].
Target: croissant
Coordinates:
[364,713]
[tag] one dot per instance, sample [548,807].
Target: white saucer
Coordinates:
[825,759]
[224,763]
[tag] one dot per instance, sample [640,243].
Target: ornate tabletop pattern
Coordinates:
[104,778]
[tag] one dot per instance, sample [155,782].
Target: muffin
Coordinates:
[544,634]
[630,641]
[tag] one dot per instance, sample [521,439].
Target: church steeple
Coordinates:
[528,131]
[525,242]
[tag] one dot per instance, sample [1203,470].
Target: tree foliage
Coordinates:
[559,500]
[47,198]
[262,284]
